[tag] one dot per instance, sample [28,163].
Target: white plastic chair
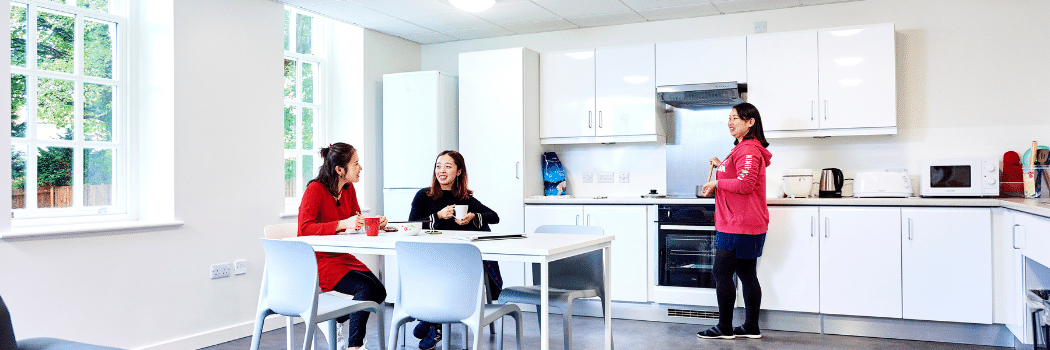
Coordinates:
[282,231]
[444,283]
[580,276]
[290,288]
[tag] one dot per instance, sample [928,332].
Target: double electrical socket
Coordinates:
[606,178]
[223,270]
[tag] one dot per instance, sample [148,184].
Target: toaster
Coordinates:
[882,184]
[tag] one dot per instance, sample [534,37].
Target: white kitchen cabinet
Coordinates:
[498,129]
[702,61]
[629,250]
[1036,237]
[600,95]
[1011,309]
[855,81]
[860,261]
[946,256]
[789,269]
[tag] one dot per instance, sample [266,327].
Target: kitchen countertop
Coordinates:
[1031,206]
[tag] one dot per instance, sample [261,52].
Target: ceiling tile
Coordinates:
[607,19]
[734,6]
[516,12]
[655,4]
[398,28]
[478,33]
[541,26]
[582,8]
[406,8]
[349,12]
[677,12]
[448,21]
[431,38]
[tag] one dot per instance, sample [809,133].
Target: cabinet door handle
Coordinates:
[517,170]
[590,119]
[577,220]
[911,236]
[826,228]
[812,110]
[600,120]
[1020,239]
[812,226]
[825,109]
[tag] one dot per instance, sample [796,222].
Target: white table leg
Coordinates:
[607,253]
[545,305]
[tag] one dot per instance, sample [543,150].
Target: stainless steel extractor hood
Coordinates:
[702,95]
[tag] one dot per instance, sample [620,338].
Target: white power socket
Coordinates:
[240,267]
[605,178]
[588,178]
[220,270]
[625,178]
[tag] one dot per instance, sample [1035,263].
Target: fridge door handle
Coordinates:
[517,170]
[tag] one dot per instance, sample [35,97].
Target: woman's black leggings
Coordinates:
[363,285]
[726,264]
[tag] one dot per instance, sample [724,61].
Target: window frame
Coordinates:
[320,103]
[121,207]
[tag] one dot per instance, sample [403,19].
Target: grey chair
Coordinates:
[580,276]
[7,338]
[444,283]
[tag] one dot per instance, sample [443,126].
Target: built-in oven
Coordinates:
[685,252]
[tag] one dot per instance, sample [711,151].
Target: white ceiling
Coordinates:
[436,21]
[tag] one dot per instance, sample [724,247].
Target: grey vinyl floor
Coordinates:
[588,333]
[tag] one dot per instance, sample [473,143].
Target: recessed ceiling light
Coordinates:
[473,5]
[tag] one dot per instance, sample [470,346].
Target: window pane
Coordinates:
[54,109]
[308,82]
[54,47]
[98,112]
[289,79]
[101,5]
[287,37]
[303,33]
[54,174]
[289,177]
[18,105]
[18,35]
[308,170]
[98,48]
[98,176]
[18,177]
[289,127]
[308,128]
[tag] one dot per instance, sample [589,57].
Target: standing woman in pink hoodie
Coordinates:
[741,222]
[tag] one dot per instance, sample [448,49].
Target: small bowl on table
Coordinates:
[408,228]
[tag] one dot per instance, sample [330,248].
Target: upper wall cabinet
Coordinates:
[598,96]
[827,82]
[701,61]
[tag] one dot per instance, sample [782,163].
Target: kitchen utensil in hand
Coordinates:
[710,171]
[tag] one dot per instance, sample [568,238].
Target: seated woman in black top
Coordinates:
[435,207]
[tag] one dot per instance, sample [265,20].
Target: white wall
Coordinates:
[384,54]
[143,288]
[972,76]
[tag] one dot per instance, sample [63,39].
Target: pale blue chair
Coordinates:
[580,276]
[444,283]
[290,288]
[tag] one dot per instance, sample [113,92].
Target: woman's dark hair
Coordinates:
[747,111]
[459,186]
[336,154]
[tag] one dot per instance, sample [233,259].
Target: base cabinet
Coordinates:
[860,261]
[946,254]
[629,249]
[789,269]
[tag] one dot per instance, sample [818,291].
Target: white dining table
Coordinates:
[541,248]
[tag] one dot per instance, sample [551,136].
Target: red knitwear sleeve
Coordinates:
[747,167]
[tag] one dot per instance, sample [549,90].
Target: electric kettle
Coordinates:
[831,183]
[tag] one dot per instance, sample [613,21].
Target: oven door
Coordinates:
[685,257]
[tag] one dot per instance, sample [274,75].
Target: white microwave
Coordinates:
[959,177]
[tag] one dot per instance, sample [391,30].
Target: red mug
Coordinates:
[372,226]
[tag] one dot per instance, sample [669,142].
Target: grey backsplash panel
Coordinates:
[695,136]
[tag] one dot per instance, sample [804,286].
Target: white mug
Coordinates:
[461,211]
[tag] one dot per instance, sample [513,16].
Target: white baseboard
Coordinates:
[219,336]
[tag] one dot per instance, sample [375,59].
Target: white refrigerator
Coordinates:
[420,119]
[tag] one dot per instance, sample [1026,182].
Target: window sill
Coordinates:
[102,228]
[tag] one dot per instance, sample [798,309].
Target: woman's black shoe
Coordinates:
[741,332]
[715,333]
